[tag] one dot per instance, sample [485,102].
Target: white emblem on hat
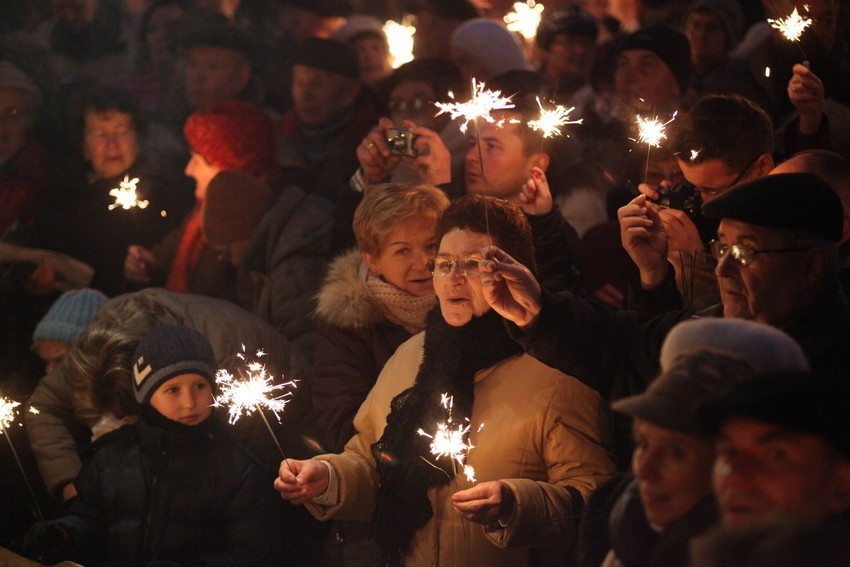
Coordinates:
[140,373]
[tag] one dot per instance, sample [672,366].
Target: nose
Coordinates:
[646,466]
[187,400]
[726,266]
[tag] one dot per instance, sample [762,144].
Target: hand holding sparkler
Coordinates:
[300,481]
[138,265]
[805,90]
[643,237]
[509,287]
[535,196]
[486,503]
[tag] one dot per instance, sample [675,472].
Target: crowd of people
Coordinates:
[481,344]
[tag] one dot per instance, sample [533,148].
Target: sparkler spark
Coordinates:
[253,390]
[125,195]
[7,413]
[451,440]
[482,103]
[400,41]
[791,27]
[651,130]
[525,18]
[694,154]
[551,120]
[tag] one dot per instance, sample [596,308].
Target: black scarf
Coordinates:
[452,357]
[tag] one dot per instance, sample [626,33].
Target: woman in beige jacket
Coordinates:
[539,436]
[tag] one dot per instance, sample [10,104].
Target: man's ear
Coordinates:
[541,160]
[764,164]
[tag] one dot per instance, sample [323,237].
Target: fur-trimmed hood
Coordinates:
[345,300]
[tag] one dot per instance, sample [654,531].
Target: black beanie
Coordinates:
[329,55]
[167,352]
[669,45]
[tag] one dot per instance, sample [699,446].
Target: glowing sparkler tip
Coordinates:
[7,411]
[551,120]
[791,27]
[253,390]
[651,130]
[525,19]
[125,195]
[469,472]
[694,154]
[481,105]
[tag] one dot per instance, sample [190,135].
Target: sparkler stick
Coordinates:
[252,391]
[7,415]
[125,195]
[400,41]
[525,18]
[651,132]
[551,120]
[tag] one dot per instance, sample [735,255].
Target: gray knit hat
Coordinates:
[68,316]
[166,352]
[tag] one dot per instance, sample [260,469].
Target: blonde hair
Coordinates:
[385,206]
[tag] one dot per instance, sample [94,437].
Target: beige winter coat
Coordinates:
[544,433]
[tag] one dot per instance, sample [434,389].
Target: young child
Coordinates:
[174,488]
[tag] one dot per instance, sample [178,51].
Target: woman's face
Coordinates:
[404,254]
[202,171]
[673,471]
[459,289]
[111,142]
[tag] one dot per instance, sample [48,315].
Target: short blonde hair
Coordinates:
[386,205]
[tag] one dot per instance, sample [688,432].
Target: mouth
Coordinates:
[189,419]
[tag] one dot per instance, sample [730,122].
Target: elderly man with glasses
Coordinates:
[777,264]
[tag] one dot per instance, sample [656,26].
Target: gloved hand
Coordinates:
[46,541]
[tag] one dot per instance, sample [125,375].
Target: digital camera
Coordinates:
[682,196]
[400,142]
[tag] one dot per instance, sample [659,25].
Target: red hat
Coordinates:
[233,136]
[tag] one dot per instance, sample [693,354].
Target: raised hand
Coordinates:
[509,287]
[536,197]
[485,503]
[373,153]
[643,237]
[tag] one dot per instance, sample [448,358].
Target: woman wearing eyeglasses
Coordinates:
[539,436]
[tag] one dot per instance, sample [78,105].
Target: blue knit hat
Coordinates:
[167,352]
[69,315]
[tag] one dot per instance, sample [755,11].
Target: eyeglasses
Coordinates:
[744,255]
[409,106]
[715,192]
[442,267]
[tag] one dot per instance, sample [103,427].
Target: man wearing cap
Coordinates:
[329,117]
[783,449]
[566,40]
[777,264]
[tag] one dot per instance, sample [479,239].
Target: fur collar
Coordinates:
[345,300]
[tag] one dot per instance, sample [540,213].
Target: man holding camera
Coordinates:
[721,142]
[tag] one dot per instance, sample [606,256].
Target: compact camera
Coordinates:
[400,142]
[682,196]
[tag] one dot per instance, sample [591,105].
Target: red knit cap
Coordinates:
[233,136]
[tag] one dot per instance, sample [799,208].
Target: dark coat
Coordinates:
[354,339]
[185,494]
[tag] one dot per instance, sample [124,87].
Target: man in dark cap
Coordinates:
[436,20]
[329,117]
[783,449]
[777,264]
[566,40]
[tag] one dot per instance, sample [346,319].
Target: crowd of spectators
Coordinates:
[646,346]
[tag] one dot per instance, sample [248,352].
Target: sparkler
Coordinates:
[7,416]
[525,18]
[451,440]
[125,195]
[481,105]
[792,28]
[400,41]
[253,390]
[551,120]
[651,132]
